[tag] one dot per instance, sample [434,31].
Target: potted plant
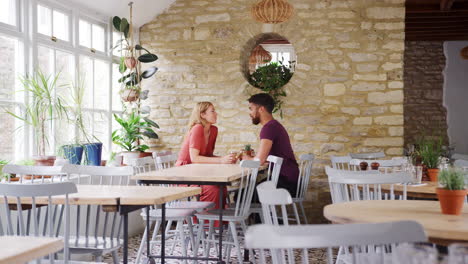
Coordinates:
[452,192]
[270,79]
[133,128]
[248,150]
[43,107]
[430,151]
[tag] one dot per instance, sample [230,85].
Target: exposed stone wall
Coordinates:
[424,63]
[345,96]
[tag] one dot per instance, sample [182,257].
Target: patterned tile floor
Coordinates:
[315,255]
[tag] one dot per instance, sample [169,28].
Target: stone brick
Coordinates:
[394,151]
[223,17]
[362,57]
[384,141]
[334,89]
[389,120]
[395,85]
[388,66]
[385,97]
[329,147]
[362,121]
[370,77]
[385,12]
[395,131]
[396,109]
[351,110]
[367,86]
[367,67]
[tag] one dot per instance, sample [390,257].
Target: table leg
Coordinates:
[148,227]
[221,209]
[125,238]
[163,233]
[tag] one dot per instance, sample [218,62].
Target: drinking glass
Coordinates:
[408,253]
[458,253]
[418,174]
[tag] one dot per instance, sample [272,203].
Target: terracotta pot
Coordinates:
[44,160]
[103,163]
[375,165]
[363,165]
[130,62]
[145,154]
[248,153]
[129,95]
[451,201]
[433,173]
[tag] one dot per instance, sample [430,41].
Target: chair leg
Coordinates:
[192,237]
[142,246]
[296,214]
[251,252]
[303,212]
[180,227]
[232,225]
[115,257]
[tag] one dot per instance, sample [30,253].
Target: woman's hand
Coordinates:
[228,159]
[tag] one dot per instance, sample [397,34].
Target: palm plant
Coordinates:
[44,106]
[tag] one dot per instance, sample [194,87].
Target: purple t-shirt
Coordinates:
[281,147]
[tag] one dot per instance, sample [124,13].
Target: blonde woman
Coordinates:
[199,144]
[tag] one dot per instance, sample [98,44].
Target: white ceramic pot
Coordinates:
[128,156]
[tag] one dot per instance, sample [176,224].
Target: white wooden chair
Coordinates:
[86,235]
[305,171]
[386,165]
[360,237]
[235,216]
[34,219]
[35,174]
[141,165]
[340,162]
[274,169]
[462,164]
[457,156]
[370,155]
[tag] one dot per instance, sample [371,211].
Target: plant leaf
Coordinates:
[123,25]
[150,134]
[149,72]
[122,66]
[151,122]
[116,22]
[147,58]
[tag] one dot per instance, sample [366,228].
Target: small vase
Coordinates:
[375,165]
[129,95]
[451,201]
[130,62]
[433,173]
[363,165]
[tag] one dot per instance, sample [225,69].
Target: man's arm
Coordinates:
[264,150]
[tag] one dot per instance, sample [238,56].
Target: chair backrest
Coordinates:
[27,216]
[340,162]
[463,164]
[364,185]
[371,155]
[92,223]
[457,156]
[141,165]
[387,165]
[357,236]
[305,171]
[248,180]
[165,162]
[270,198]
[274,168]
[35,174]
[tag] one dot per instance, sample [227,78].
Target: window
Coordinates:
[53,23]
[8,12]
[92,35]
[281,52]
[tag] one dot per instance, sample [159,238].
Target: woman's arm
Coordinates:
[195,157]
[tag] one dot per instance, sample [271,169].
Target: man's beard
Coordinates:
[256,120]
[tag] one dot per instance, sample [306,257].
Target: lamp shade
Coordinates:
[272,11]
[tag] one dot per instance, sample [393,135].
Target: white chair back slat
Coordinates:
[142,165]
[36,174]
[371,155]
[360,237]
[305,171]
[274,168]
[458,156]
[340,162]
[248,180]
[165,162]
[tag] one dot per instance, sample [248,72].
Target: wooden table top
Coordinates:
[17,249]
[428,190]
[195,172]
[119,194]
[441,229]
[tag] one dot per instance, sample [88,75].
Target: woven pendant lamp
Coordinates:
[272,11]
[258,56]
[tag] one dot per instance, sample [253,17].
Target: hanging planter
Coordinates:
[129,95]
[130,62]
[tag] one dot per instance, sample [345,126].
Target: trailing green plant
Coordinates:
[430,151]
[452,179]
[43,107]
[133,128]
[270,79]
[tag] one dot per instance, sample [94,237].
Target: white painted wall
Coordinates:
[456,95]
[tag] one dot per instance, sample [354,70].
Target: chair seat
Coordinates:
[228,215]
[194,205]
[91,243]
[171,214]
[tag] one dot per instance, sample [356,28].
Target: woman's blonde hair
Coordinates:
[199,109]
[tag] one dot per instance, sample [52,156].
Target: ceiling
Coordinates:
[146,9]
[436,20]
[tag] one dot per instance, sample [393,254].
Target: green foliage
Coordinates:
[26,162]
[247,147]
[452,179]
[430,151]
[133,128]
[45,105]
[270,79]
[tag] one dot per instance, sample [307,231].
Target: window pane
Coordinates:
[98,38]
[44,17]
[8,12]
[64,66]
[86,72]
[116,102]
[10,54]
[61,29]
[85,33]
[45,59]
[11,138]
[101,84]
[64,131]
[101,132]
[116,36]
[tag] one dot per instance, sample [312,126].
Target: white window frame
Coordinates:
[52,38]
[107,35]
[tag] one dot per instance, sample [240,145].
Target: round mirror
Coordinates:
[270,65]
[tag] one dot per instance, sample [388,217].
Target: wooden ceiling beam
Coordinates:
[446,5]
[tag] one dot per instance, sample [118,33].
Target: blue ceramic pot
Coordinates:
[93,154]
[73,153]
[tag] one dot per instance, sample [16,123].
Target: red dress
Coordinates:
[196,139]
